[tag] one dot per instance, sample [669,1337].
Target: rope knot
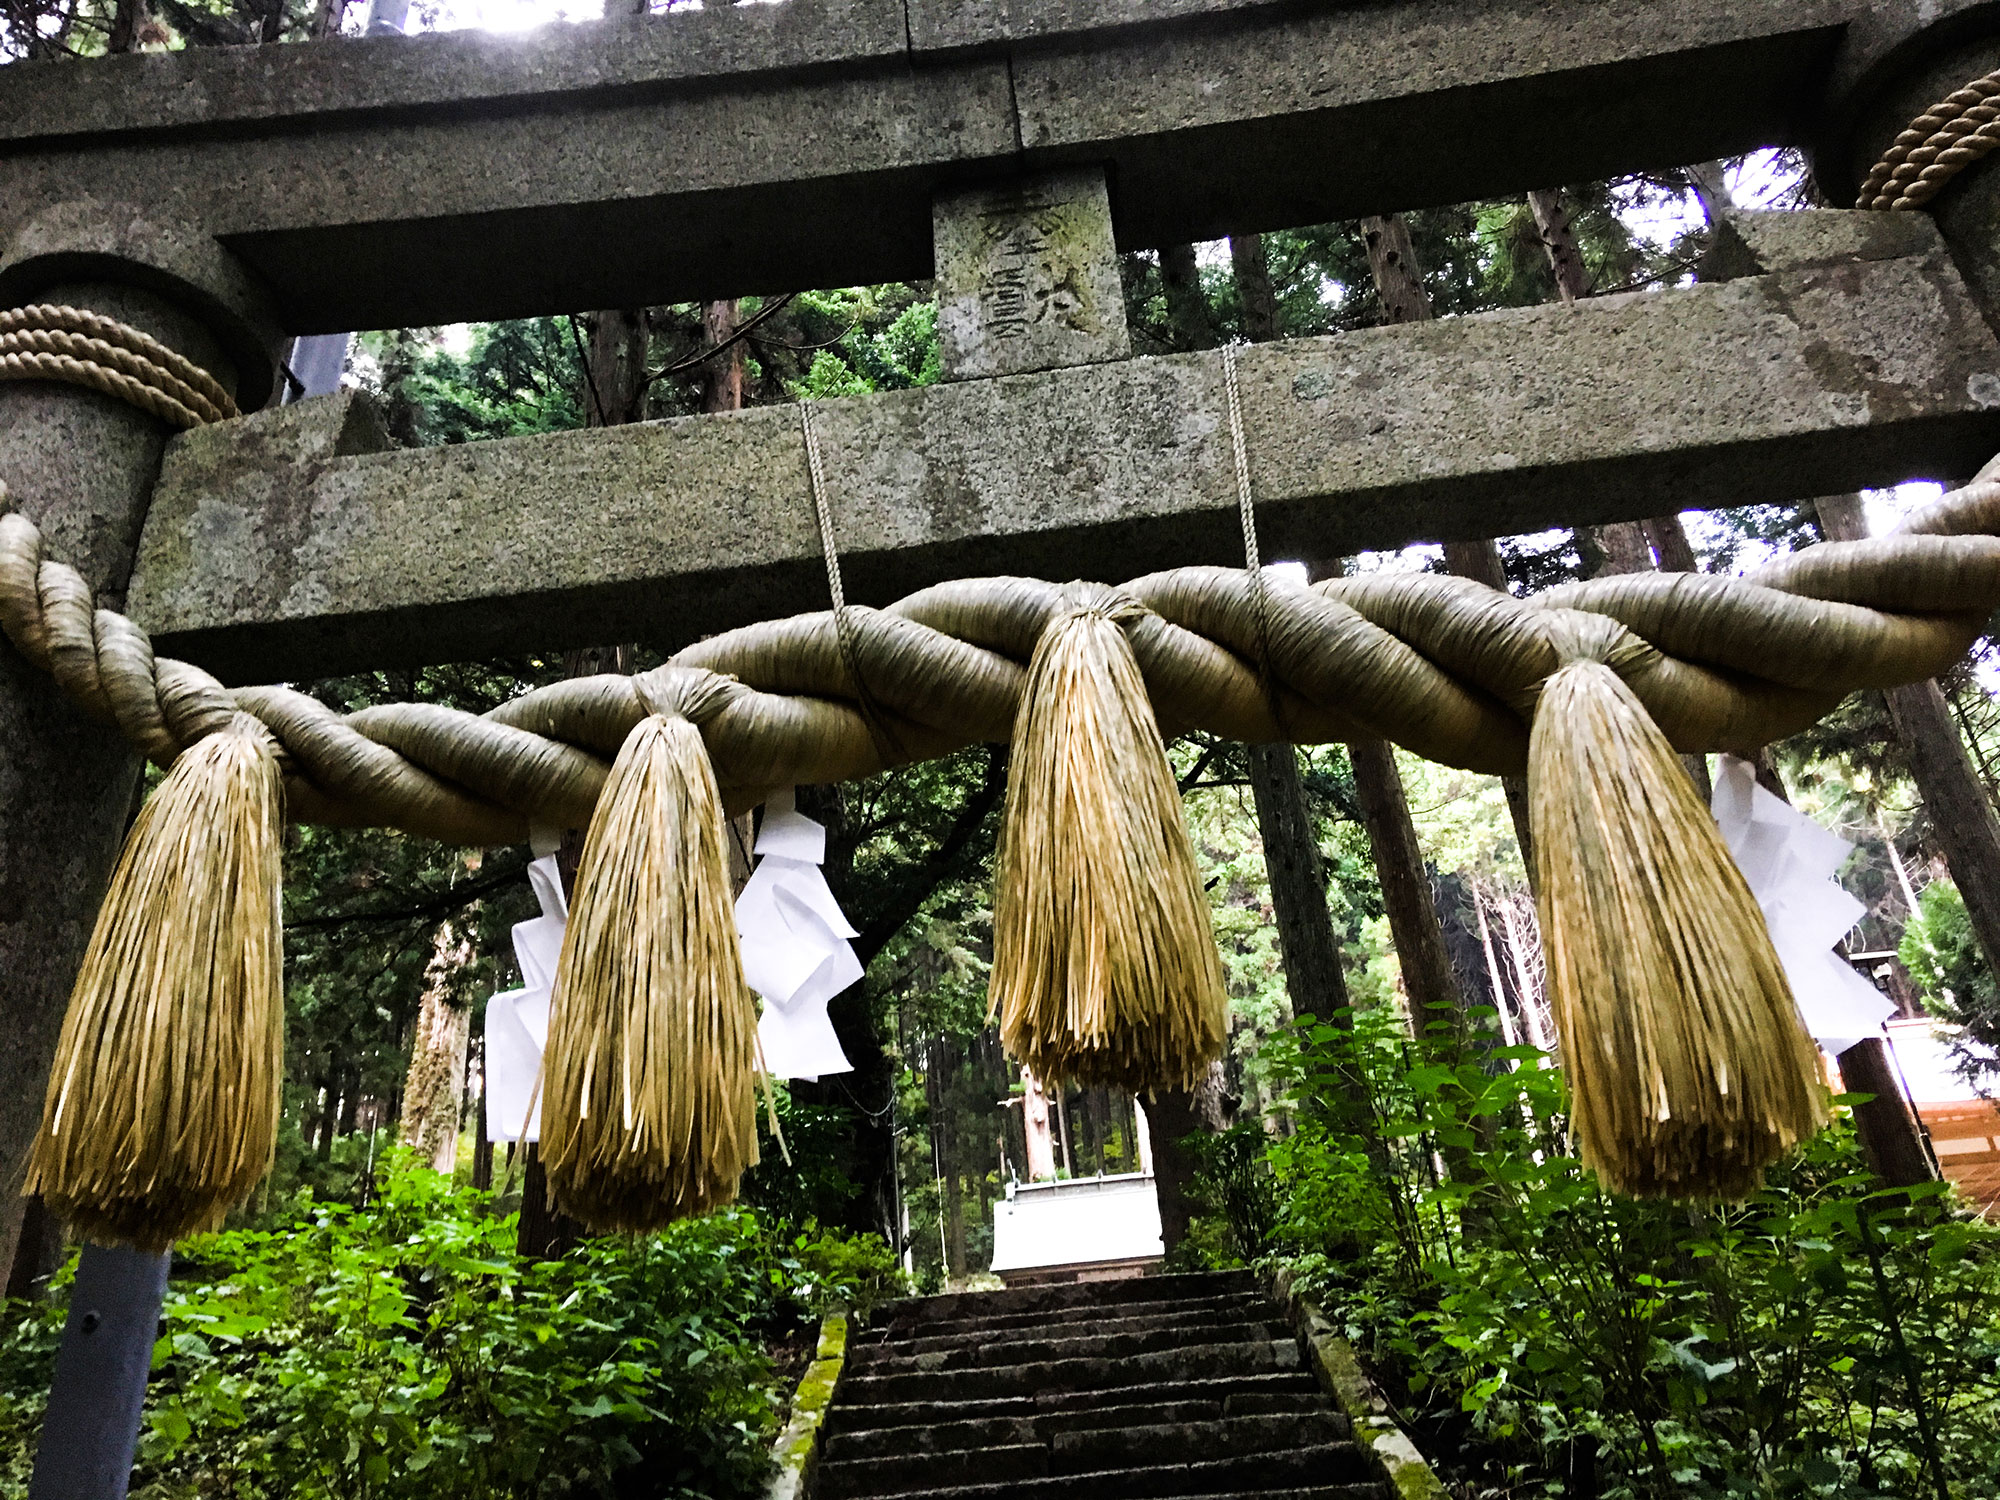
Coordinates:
[692,693]
[1102,601]
[1580,635]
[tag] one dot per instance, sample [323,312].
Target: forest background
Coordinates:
[1829,1339]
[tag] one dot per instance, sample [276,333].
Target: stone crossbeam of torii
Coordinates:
[227,200]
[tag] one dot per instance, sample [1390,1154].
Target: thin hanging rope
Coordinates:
[887,745]
[1246,509]
[816,471]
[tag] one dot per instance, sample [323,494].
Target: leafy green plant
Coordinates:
[403,1350]
[1825,1339]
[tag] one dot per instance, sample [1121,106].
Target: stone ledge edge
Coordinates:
[798,1447]
[1338,1369]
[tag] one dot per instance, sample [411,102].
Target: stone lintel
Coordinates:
[1758,242]
[1851,373]
[801,144]
[1027,276]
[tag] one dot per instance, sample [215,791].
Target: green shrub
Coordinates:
[404,1351]
[1825,1339]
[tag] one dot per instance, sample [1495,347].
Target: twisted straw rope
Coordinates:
[1939,144]
[1444,666]
[77,347]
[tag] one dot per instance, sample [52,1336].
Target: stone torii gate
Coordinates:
[226,200]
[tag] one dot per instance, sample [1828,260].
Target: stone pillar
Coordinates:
[1897,61]
[81,466]
[1027,276]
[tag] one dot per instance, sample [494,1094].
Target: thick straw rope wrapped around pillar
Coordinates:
[1444,667]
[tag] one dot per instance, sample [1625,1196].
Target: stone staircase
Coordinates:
[1139,1389]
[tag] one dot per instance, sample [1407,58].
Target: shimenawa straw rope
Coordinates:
[1443,666]
[162,1106]
[1105,971]
[651,1115]
[1689,1069]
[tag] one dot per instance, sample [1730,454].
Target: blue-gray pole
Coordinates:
[91,1430]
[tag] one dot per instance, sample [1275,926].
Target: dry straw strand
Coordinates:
[162,1106]
[1104,967]
[651,1114]
[1690,1069]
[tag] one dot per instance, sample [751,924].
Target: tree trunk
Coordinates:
[126,19]
[1171,1117]
[1253,287]
[433,1093]
[1187,308]
[1711,185]
[1892,1137]
[954,1210]
[1314,977]
[722,375]
[482,1146]
[1961,814]
[615,368]
[1670,545]
[543,1232]
[1626,548]
[1559,244]
[1406,888]
[1399,283]
[401,415]
[38,1253]
[329,1116]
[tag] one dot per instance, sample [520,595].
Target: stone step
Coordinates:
[1225,1393]
[916,1314]
[888,1359]
[1307,1409]
[1337,1469]
[1229,1437]
[1117,1313]
[1183,1362]
[900,1474]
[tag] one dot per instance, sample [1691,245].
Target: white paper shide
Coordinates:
[1789,862]
[517,1021]
[796,952]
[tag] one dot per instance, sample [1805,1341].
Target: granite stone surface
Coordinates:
[265,557]
[801,144]
[1027,277]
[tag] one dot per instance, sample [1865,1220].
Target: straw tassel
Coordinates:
[651,1114]
[162,1107]
[1690,1069]
[1104,967]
